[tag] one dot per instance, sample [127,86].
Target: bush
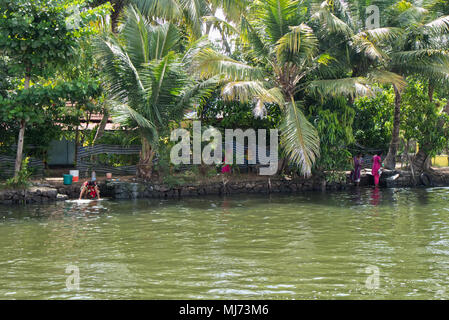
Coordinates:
[22,180]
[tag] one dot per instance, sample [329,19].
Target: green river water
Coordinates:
[307,246]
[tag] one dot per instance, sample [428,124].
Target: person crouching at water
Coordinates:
[376,170]
[357,168]
[90,188]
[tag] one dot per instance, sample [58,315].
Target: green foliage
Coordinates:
[22,180]
[373,120]
[233,114]
[37,34]
[45,63]
[333,120]
[34,104]
[423,121]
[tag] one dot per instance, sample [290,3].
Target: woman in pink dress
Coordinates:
[377,164]
[226,168]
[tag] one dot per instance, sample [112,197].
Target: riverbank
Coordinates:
[131,188]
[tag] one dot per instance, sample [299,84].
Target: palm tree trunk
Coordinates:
[145,167]
[19,155]
[101,127]
[390,160]
[421,162]
[430,91]
[224,41]
[77,144]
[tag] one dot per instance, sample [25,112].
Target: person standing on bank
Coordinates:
[357,168]
[377,168]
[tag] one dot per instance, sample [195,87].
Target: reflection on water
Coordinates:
[310,246]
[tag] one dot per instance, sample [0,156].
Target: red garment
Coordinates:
[91,189]
[225,168]
[377,163]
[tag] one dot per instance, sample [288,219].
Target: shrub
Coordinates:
[22,180]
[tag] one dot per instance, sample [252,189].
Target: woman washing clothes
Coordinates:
[90,188]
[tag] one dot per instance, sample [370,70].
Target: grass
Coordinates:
[440,161]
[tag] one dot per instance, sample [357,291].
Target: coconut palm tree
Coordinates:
[420,50]
[196,16]
[355,49]
[146,79]
[285,67]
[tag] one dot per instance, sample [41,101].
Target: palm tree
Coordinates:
[420,51]
[146,79]
[286,66]
[196,16]
[354,49]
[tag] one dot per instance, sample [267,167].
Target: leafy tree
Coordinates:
[425,123]
[36,38]
[372,122]
[333,120]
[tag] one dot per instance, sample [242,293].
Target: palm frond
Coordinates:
[386,34]
[163,39]
[209,63]
[438,26]
[123,112]
[194,10]
[387,77]
[224,25]
[122,77]
[249,35]
[331,23]
[277,16]
[135,30]
[361,44]
[199,93]
[409,16]
[299,139]
[354,87]
[245,91]
[194,49]
[168,10]
[232,9]
[145,41]
[432,64]
[300,40]
[166,79]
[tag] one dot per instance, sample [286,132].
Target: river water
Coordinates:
[358,244]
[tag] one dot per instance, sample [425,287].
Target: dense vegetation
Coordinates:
[331,76]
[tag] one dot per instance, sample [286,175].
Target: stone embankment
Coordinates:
[133,190]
